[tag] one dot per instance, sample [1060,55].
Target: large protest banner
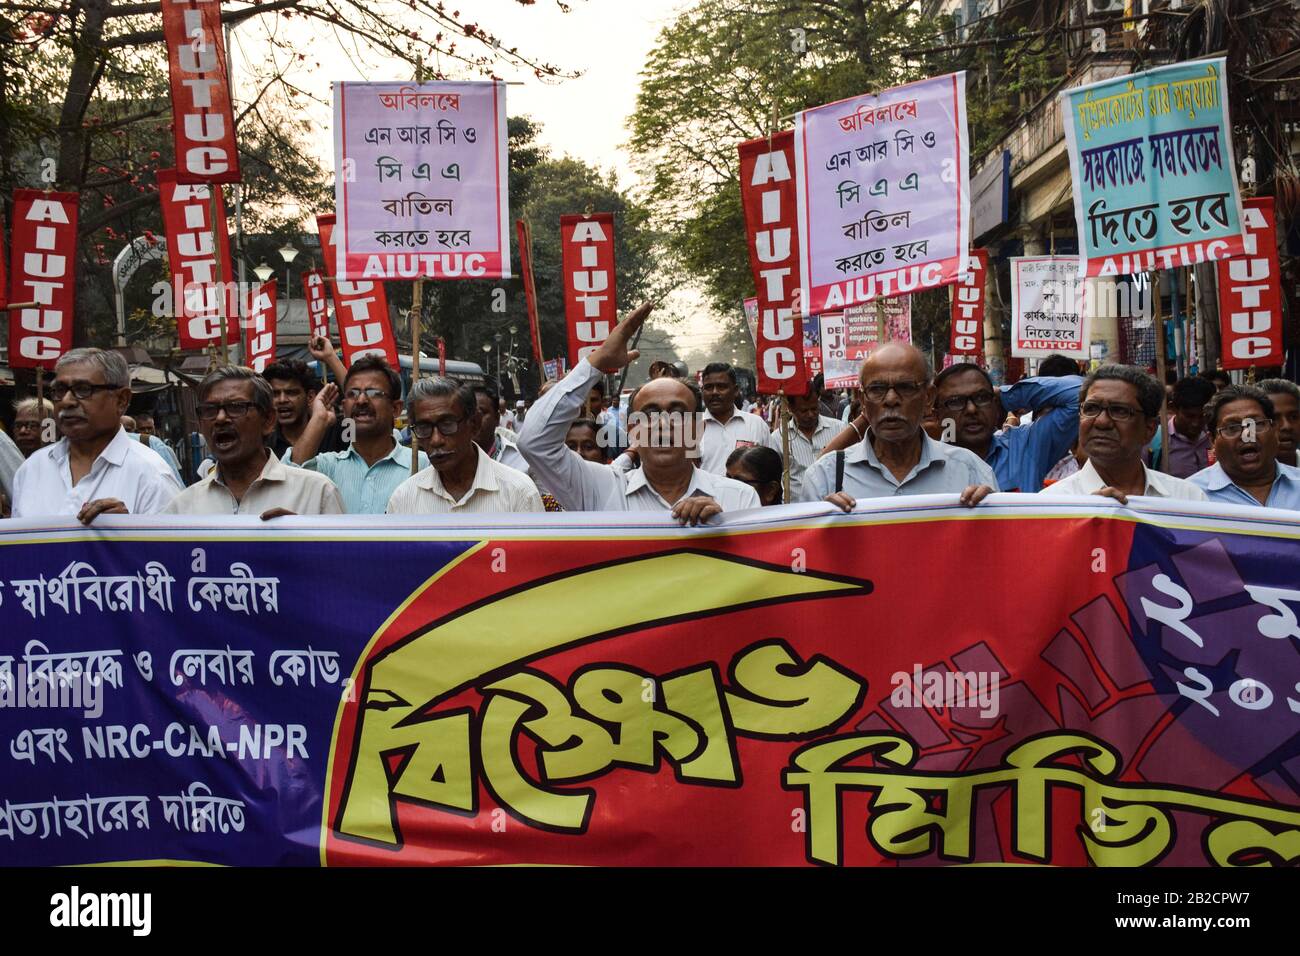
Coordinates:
[203,120]
[1049,307]
[967,329]
[360,306]
[420,180]
[1152,170]
[198,255]
[883,197]
[1250,293]
[260,334]
[789,687]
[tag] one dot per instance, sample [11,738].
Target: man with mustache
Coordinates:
[461,478]
[894,455]
[96,467]
[1243,421]
[1119,412]
[369,470]
[235,416]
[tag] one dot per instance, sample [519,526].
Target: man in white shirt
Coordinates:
[725,427]
[96,467]
[1118,414]
[661,426]
[236,416]
[812,432]
[493,437]
[461,478]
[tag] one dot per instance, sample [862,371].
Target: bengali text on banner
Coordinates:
[649,695]
[883,193]
[420,182]
[1151,166]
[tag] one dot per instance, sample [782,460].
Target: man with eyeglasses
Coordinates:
[369,470]
[461,478]
[893,455]
[971,412]
[1247,472]
[661,429]
[1119,411]
[236,416]
[96,467]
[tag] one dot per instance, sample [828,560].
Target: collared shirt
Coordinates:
[505,449]
[125,470]
[718,441]
[1022,456]
[1086,481]
[11,459]
[278,486]
[365,489]
[1186,456]
[581,485]
[165,452]
[496,489]
[1285,492]
[804,450]
[942,469]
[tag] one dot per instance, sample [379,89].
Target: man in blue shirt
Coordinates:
[369,470]
[971,410]
[1247,472]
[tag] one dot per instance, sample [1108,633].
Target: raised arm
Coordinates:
[322,349]
[313,433]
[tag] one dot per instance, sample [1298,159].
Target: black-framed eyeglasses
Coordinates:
[82,390]
[445,426]
[1234,429]
[208,411]
[1117,413]
[372,393]
[958,402]
[876,392]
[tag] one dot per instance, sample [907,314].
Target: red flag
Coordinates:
[198,301]
[590,303]
[525,236]
[767,192]
[442,356]
[259,338]
[968,307]
[313,289]
[1250,292]
[360,308]
[203,122]
[44,270]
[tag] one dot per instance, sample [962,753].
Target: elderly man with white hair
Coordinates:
[96,467]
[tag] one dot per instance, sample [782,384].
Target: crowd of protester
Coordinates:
[283,443]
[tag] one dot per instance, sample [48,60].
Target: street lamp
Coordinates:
[288,253]
[263,271]
[497,337]
[487,358]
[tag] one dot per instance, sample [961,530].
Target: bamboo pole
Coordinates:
[1160,369]
[221,296]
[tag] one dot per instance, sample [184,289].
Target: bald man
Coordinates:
[663,426]
[894,456]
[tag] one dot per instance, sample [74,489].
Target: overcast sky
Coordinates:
[607,40]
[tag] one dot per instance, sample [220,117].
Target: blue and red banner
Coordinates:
[1036,680]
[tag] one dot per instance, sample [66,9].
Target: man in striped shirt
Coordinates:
[813,431]
[369,470]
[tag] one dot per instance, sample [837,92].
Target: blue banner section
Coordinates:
[171,694]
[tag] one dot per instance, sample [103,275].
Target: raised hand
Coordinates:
[614,354]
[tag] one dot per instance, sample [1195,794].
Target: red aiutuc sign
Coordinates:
[360,308]
[203,121]
[199,261]
[313,289]
[968,307]
[590,299]
[259,336]
[44,269]
[1250,292]
[767,192]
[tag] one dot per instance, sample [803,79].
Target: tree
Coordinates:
[730,70]
[85,87]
